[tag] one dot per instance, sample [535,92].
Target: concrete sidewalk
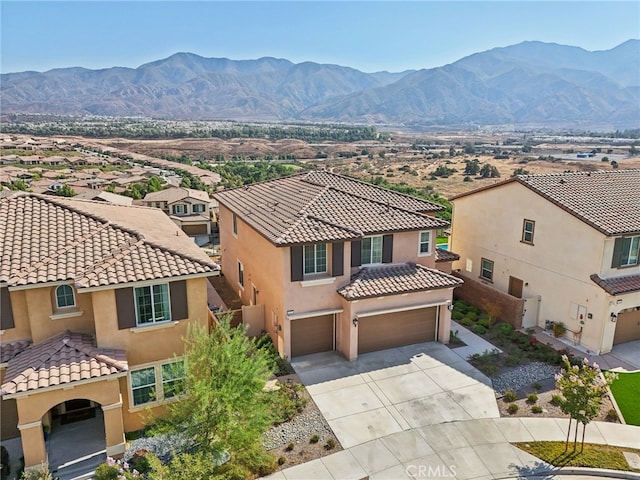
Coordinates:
[474,343]
[470,449]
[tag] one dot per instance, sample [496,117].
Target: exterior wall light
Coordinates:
[355,322]
[450,307]
[614,317]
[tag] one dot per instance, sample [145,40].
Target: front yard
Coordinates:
[626,390]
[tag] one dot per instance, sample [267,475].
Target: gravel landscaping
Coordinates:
[523,376]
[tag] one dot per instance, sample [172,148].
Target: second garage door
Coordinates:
[390,330]
[311,335]
[627,327]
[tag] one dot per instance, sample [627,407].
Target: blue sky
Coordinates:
[367,35]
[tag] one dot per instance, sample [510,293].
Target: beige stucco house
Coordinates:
[192,210]
[568,243]
[94,301]
[337,264]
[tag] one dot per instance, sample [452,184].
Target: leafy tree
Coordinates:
[19,184]
[520,171]
[583,387]
[443,171]
[224,410]
[111,188]
[472,167]
[66,191]
[155,184]
[489,171]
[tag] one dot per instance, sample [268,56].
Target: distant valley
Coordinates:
[532,84]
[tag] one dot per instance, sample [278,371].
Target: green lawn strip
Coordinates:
[626,390]
[593,456]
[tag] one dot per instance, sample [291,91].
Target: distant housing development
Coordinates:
[567,246]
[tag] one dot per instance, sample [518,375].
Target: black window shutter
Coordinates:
[125,308]
[337,261]
[297,273]
[387,248]
[179,304]
[356,253]
[6,312]
[616,261]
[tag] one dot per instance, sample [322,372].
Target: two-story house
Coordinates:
[338,264]
[94,301]
[572,240]
[190,209]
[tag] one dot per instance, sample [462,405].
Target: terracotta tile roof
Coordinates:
[607,200]
[11,349]
[175,194]
[443,255]
[91,243]
[322,206]
[382,280]
[618,285]
[68,357]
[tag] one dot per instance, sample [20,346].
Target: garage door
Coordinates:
[396,329]
[627,327]
[311,335]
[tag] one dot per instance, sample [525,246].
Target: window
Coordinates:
[179,209]
[143,383]
[64,297]
[626,252]
[425,240]
[198,208]
[487,269]
[157,382]
[235,224]
[527,231]
[152,304]
[372,250]
[172,379]
[315,258]
[241,274]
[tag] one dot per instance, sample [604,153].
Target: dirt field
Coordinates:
[404,160]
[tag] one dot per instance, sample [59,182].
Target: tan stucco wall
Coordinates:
[405,249]
[557,267]
[22,328]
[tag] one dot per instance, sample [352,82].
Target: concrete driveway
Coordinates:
[629,352]
[395,390]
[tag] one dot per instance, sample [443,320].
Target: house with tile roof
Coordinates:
[337,264]
[94,301]
[568,241]
[190,209]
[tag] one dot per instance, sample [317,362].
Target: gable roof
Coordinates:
[321,206]
[618,285]
[607,200]
[92,244]
[65,358]
[175,194]
[383,280]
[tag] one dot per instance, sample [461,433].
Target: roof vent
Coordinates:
[66,340]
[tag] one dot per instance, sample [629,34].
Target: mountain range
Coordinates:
[529,84]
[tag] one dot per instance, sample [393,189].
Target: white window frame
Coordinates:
[179,209]
[634,249]
[482,269]
[158,386]
[526,231]
[370,260]
[421,243]
[240,274]
[154,321]
[73,297]
[315,267]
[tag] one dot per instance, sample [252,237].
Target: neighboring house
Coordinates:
[94,302]
[569,240]
[190,209]
[337,264]
[105,197]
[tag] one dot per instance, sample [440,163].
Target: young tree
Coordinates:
[224,410]
[66,191]
[583,387]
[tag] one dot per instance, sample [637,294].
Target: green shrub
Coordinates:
[282,460]
[510,396]
[460,306]
[330,445]
[536,409]
[457,315]
[473,316]
[41,472]
[532,398]
[478,329]
[466,322]
[612,415]
[556,400]
[504,328]
[512,409]
[485,322]
[107,472]
[314,439]
[537,386]
[289,447]
[287,402]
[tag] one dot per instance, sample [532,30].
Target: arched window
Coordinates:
[65,297]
